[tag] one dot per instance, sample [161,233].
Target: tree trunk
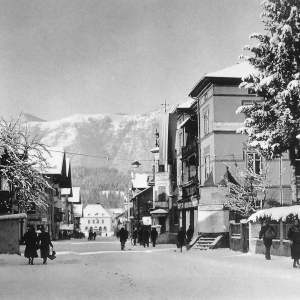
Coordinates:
[293,175]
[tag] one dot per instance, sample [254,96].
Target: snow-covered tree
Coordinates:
[273,124]
[246,192]
[22,164]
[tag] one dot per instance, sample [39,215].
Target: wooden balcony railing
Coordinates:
[189,149]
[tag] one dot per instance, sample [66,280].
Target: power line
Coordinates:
[80,154]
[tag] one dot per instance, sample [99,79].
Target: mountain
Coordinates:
[89,139]
[31,118]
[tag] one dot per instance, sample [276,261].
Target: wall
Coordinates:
[210,221]
[9,234]
[84,224]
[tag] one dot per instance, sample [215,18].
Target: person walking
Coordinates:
[95,234]
[189,234]
[146,236]
[134,235]
[181,238]
[154,235]
[294,237]
[123,237]
[45,242]
[268,233]
[31,242]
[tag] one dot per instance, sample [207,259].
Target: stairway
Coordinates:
[207,242]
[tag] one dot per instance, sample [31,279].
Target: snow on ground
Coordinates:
[99,270]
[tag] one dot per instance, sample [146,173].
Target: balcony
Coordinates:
[189,149]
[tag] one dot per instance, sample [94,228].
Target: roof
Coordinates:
[75,195]
[186,105]
[276,213]
[231,74]
[149,187]
[140,180]
[95,211]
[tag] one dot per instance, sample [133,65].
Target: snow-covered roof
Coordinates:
[76,195]
[235,71]
[159,211]
[65,191]
[140,180]
[276,213]
[95,211]
[186,104]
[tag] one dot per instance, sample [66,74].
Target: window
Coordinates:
[102,221]
[180,142]
[206,121]
[104,228]
[86,228]
[206,166]
[161,168]
[89,221]
[93,221]
[254,162]
[98,221]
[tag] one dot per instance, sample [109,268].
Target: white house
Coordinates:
[95,217]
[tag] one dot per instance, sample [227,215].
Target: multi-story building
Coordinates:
[187,163]
[164,211]
[97,219]
[221,148]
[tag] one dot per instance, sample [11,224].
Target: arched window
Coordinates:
[86,228]
[105,229]
[100,228]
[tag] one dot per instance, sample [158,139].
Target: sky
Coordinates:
[59,58]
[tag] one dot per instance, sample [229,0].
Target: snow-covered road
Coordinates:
[99,270]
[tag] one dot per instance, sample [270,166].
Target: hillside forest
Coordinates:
[101,185]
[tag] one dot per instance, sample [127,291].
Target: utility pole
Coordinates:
[165,104]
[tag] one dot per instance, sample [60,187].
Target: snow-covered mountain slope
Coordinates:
[122,138]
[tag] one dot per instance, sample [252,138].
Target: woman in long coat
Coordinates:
[45,242]
[294,236]
[31,242]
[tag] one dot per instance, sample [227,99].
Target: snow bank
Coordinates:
[276,213]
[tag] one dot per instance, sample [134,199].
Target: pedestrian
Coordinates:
[31,242]
[181,238]
[154,235]
[123,237]
[95,234]
[294,236]
[141,236]
[189,234]
[45,243]
[134,235]
[90,235]
[146,236]
[268,233]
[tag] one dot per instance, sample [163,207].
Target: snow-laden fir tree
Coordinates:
[273,124]
[22,164]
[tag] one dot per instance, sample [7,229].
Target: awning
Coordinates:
[182,123]
[159,211]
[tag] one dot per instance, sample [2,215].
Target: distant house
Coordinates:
[97,219]
[117,216]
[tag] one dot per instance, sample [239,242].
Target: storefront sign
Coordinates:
[44,219]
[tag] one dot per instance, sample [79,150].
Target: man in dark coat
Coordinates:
[45,242]
[189,234]
[268,233]
[135,236]
[146,236]
[181,238]
[294,237]
[123,237]
[154,235]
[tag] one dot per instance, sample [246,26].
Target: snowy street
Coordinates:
[99,270]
